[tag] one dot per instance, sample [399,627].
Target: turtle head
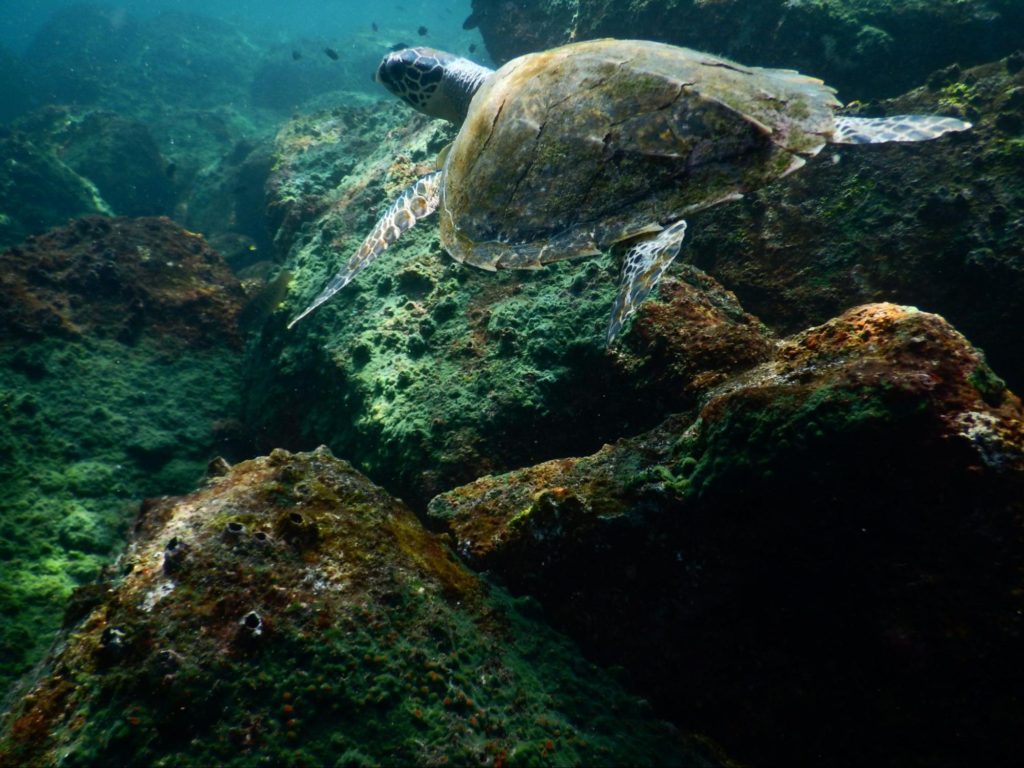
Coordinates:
[433,82]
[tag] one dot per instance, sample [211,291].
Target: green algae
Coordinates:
[376,647]
[86,429]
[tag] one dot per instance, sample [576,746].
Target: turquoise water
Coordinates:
[340,19]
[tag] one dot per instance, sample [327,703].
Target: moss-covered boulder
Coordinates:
[120,362]
[427,373]
[938,225]
[38,190]
[291,613]
[870,48]
[821,564]
[117,154]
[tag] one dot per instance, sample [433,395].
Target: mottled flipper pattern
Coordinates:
[416,202]
[879,130]
[643,266]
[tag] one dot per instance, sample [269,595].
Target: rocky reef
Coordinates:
[936,225]
[120,361]
[291,613]
[869,48]
[784,507]
[437,373]
[818,564]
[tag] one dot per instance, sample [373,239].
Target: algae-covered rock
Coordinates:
[119,378]
[871,48]
[291,613]
[117,154]
[427,373]
[825,557]
[120,278]
[937,225]
[38,190]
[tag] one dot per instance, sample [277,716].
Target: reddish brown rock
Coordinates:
[119,278]
[292,613]
[819,567]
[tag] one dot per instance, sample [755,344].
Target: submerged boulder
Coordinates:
[427,373]
[823,559]
[38,190]
[120,278]
[291,613]
[120,371]
[116,154]
[871,48]
[938,225]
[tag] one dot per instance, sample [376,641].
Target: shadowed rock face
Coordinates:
[40,191]
[867,49]
[292,613]
[825,558]
[939,225]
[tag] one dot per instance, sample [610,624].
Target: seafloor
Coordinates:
[780,522]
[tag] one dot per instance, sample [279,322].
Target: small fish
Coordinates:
[331,54]
[472,47]
[399,47]
[171,169]
[296,55]
[263,301]
[422,31]
[374,27]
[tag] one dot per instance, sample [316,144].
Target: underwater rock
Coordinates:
[824,558]
[872,48]
[186,77]
[39,191]
[940,226]
[370,645]
[117,154]
[119,278]
[227,202]
[427,373]
[120,372]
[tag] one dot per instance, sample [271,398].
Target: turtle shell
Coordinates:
[566,152]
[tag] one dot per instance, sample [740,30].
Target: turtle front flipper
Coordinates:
[416,202]
[643,266]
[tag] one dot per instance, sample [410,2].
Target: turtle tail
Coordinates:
[879,130]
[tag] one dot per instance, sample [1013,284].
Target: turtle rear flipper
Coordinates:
[879,130]
[643,266]
[416,202]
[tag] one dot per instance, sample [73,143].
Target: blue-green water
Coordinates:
[334,19]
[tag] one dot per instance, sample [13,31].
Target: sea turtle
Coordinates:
[576,149]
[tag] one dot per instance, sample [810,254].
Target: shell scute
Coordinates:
[570,150]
